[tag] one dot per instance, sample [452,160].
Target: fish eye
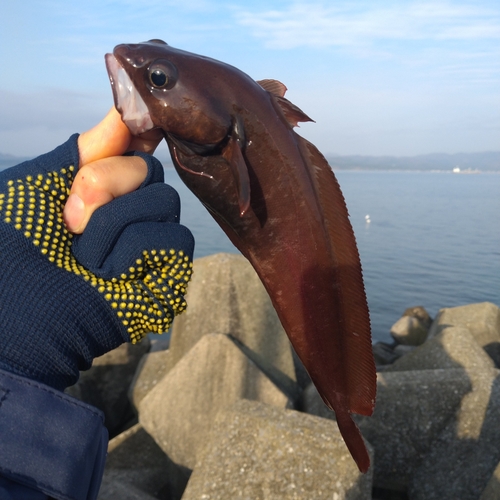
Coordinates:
[162,75]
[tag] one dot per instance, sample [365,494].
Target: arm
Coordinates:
[64,300]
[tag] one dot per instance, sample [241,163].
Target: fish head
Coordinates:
[157,86]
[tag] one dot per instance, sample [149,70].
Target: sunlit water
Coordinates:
[433,238]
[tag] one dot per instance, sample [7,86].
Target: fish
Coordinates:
[233,143]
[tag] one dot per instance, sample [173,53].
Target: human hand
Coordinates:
[64,298]
[104,174]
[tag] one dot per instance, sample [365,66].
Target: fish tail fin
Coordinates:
[354,440]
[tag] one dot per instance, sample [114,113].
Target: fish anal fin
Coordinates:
[358,366]
[233,155]
[275,87]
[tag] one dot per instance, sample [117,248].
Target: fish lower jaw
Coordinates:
[128,101]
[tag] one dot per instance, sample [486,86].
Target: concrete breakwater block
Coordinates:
[492,490]
[464,456]
[226,296]
[453,347]
[150,370]
[136,468]
[107,383]
[413,408]
[409,330]
[257,451]
[482,320]
[179,411]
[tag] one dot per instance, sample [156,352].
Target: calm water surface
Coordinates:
[433,238]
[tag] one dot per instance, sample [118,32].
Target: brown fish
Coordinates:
[275,196]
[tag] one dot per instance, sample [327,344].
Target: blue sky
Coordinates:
[379,77]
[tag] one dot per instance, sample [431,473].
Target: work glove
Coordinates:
[65,299]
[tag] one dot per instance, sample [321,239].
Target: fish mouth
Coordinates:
[128,102]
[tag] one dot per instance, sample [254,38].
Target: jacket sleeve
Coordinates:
[51,444]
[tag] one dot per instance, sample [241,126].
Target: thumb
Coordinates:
[98,183]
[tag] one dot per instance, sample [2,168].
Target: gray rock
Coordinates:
[492,490]
[403,350]
[412,409]
[226,296]
[312,403]
[181,408]
[420,313]
[463,458]
[483,321]
[261,452]
[409,330]
[150,370]
[454,347]
[106,384]
[137,468]
[384,353]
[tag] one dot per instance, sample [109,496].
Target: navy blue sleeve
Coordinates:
[51,444]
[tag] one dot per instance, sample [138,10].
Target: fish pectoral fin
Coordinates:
[233,155]
[275,87]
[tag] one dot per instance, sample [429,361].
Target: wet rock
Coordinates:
[179,411]
[420,313]
[136,468]
[463,458]
[150,370]
[492,490]
[226,296]
[482,320]
[454,347]
[259,451]
[106,384]
[412,409]
[409,330]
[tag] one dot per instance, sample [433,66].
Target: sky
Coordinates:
[378,77]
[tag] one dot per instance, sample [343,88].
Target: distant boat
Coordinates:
[457,170]
[367,219]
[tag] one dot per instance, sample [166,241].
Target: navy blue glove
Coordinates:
[66,299]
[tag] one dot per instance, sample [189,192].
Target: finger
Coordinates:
[110,137]
[98,183]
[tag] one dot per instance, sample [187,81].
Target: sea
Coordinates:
[428,239]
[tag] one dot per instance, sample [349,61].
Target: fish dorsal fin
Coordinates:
[275,87]
[292,113]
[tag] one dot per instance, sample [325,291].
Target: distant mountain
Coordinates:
[487,161]
[10,160]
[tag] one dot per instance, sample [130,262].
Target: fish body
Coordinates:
[275,196]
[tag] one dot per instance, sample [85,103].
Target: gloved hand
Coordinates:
[65,299]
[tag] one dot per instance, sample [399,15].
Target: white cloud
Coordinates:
[325,25]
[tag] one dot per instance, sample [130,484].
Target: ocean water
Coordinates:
[433,238]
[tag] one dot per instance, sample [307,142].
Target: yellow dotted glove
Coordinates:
[65,299]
